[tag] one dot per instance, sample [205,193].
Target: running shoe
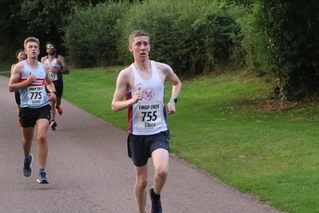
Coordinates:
[42,179]
[156,204]
[59,110]
[27,168]
[53,124]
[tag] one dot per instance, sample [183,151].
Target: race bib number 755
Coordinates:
[148,116]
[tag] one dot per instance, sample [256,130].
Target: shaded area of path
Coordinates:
[89,171]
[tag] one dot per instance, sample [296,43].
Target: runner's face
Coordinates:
[32,50]
[22,56]
[51,49]
[140,47]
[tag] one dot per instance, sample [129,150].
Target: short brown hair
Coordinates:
[31,39]
[137,33]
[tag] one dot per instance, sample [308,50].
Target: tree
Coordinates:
[10,25]
[43,19]
[290,29]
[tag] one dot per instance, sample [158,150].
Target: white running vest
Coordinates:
[54,76]
[34,95]
[147,116]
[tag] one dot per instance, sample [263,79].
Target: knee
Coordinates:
[42,138]
[142,182]
[162,173]
[26,140]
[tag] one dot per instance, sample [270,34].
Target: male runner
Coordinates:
[57,67]
[30,77]
[142,84]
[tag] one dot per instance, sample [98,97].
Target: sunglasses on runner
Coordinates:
[50,48]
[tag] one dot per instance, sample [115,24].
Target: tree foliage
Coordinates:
[91,34]
[194,37]
[288,46]
[43,19]
[46,18]
[10,25]
[277,37]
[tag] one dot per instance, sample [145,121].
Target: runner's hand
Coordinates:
[51,96]
[138,95]
[171,107]
[31,78]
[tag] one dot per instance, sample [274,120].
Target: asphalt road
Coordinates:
[89,172]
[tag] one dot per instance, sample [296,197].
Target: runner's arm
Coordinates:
[176,89]
[118,104]
[16,72]
[65,69]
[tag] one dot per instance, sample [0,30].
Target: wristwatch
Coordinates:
[175,99]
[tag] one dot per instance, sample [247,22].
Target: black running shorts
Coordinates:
[140,147]
[58,89]
[29,116]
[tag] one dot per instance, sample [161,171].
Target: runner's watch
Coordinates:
[175,99]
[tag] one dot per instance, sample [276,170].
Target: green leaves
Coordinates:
[91,34]
[284,43]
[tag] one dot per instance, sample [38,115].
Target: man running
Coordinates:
[57,67]
[30,77]
[142,84]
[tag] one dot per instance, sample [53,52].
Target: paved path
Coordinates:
[89,172]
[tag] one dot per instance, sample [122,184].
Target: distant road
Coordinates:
[89,172]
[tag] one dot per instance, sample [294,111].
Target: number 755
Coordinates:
[149,116]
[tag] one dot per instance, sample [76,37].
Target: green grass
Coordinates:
[92,90]
[270,154]
[5,65]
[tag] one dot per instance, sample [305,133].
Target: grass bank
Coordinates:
[224,125]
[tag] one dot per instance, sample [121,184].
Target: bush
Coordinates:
[158,19]
[91,35]
[284,42]
[194,37]
[220,37]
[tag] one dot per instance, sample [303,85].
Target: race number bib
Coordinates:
[54,76]
[35,95]
[148,116]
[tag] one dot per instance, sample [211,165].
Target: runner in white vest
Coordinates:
[57,68]
[142,84]
[30,78]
